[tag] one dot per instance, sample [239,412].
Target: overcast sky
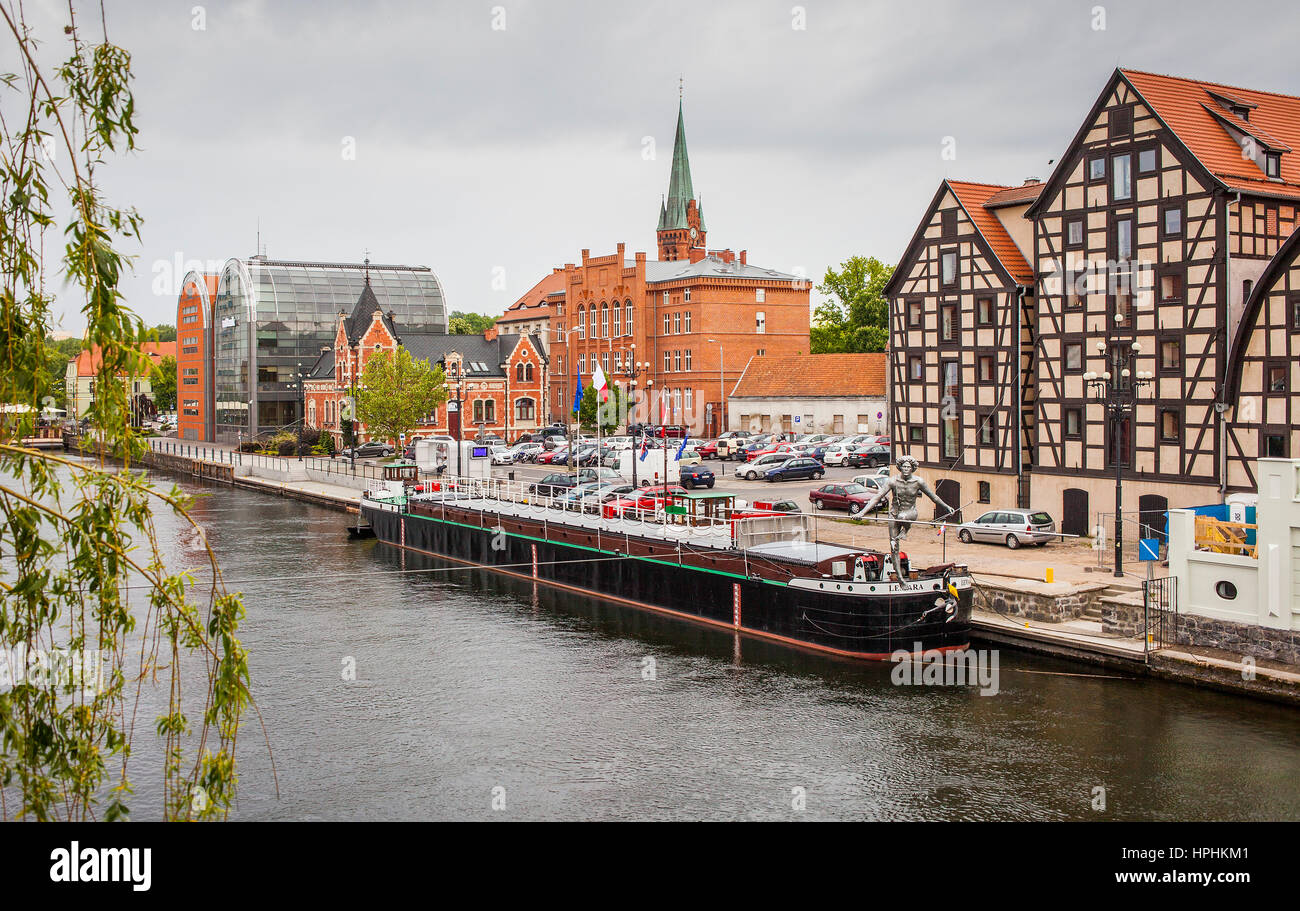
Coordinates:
[496,140]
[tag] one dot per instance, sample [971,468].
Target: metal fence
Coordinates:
[1134,530]
[1159,613]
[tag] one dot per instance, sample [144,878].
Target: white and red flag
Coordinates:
[598,380]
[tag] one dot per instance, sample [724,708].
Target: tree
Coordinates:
[396,392]
[856,318]
[462,323]
[348,429]
[165,332]
[164,384]
[612,412]
[78,535]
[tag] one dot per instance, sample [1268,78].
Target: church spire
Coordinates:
[681,225]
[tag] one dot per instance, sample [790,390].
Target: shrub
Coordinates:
[287,447]
[311,436]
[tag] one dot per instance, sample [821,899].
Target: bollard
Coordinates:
[1050,575]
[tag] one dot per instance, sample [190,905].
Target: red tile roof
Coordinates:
[1015,196]
[88,361]
[813,376]
[974,198]
[526,306]
[1188,108]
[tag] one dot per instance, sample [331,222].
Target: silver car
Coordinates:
[1012,527]
[752,471]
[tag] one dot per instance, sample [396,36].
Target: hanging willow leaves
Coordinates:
[90,617]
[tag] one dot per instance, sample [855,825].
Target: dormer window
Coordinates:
[1240,110]
[1273,164]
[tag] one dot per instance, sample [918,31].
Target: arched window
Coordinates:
[582,322]
[618,319]
[525,410]
[519,373]
[311,413]
[627,318]
[604,320]
[591,316]
[528,373]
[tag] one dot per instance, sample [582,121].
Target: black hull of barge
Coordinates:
[857,626]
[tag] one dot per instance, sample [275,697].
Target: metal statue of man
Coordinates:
[904,488]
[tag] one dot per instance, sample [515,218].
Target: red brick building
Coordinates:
[194,309]
[500,379]
[695,316]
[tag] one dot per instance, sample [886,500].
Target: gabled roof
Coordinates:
[363,312]
[539,295]
[480,357]
[813,376]
[974,198]
[1015,196]
[323,369]
[88,361]
[710,266]
[1194,111]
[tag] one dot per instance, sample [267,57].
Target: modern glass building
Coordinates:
[271,316]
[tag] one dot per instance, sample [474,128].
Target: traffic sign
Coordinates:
[1148,548]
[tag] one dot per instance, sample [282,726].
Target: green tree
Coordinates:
[612,412]
[348,429]
[463,323]
[81,565]
[165,332]
[396,392]
[856,315]
[164,384]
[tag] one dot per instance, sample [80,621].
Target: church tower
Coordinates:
[681,217]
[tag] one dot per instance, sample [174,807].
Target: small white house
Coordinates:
[1260,591]
[811,393]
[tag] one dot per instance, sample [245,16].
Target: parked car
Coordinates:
[556,456]
[501,455]
[873,483]
[1012,527]
[752,471]
[796,469]
[867,457]
[693,476]
[594,495]
[648,501]
[850,497]
[728,443]
[708,450]
[838,453]
[525,451]
[785,448]
[553,485]
[599,473]
[372,450]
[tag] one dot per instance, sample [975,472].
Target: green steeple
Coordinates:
[673,213]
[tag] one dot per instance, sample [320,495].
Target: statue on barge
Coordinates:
[904,488]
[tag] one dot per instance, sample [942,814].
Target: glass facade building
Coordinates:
[271,316]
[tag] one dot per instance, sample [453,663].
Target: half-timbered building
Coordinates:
[962,342]
[1165,210]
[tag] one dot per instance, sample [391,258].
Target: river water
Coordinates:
[478,697]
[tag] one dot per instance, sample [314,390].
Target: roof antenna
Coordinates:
[367,252]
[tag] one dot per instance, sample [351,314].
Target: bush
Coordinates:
[287,447]
[250,446]
[311,436]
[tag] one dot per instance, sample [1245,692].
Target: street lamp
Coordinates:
[633,370]
[722,398]
[302,406]
[1116,389]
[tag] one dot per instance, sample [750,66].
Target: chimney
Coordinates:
[744,257]
[490,334]
[1031,181]
[621,246]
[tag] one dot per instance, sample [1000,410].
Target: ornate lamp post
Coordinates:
[302,406]
[1117,389]
[633,370]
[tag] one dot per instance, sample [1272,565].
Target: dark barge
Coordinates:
[764,576]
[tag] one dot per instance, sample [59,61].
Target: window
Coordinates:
[525,410]
[582,363]
[1171,286]
[1173,222]
[1275,446]
[1124,238]
[949,267]
[519,373]
[915,367]
[1171,356]
[1074,356]
[760,322]
[948,222]
[665,298]
[1074,422]
[1121,177]
[760,295]
[688,321]
[604,362]
[1121,121]
[950,430]
[616,328]
[1273,164]
[582,322]
[984,311]
[591,321]
[951,379]
[1076,285]
[1074,232]
[914,314]
[528,373]
[1225,590]
[915,434]
[604,321]
[677,360]
[686,296]
[668,361]
[668,323]
[687,359]
[986,492]
[1097,168]
[1146,161]
[948,323]
[988,430]
[1169,425]
[986,368]
[837,423]
[688,400]
[1276,375]
[1294,311]
[677,323]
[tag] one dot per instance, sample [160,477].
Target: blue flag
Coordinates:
[577,396]
[680,450]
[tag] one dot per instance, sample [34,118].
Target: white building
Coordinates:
[811,393]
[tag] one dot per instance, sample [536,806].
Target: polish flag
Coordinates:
[598,380]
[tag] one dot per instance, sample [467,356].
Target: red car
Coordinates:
[850,497]
[767,450]
[550,455]
[709,450]
[649,500]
